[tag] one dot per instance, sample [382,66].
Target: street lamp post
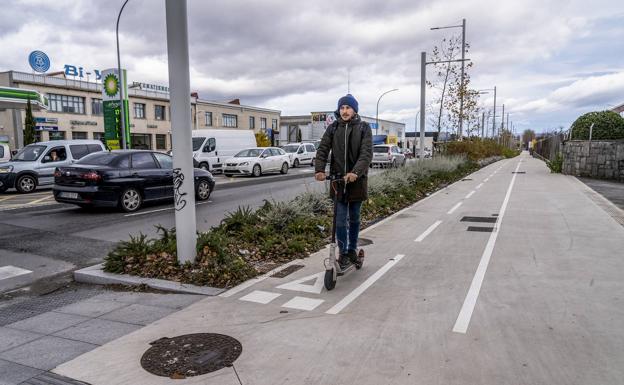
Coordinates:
[463,60]
[377,116]
[121,83]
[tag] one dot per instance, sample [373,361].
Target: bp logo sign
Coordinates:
[111,85]
[39,61]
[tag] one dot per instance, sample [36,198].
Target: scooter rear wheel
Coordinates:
[330,282]
[360,262]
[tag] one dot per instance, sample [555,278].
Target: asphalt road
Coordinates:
[55,238]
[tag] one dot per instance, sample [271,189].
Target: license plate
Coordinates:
[68,195]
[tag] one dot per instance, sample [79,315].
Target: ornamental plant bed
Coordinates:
[250,242]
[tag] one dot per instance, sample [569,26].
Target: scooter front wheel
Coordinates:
[330,281]
[360,258]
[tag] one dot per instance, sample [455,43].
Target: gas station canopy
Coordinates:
[17,98]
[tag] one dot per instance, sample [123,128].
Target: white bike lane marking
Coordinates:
[451,211]
[424,235]
[465,314]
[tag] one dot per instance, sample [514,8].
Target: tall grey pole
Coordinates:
[494,115]
[377,116]
[483,129]
[423,80]
[180,94]
[508,121]
[121,83]
[500,130]
[462,90]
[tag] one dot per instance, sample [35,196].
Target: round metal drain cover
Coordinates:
[190,355]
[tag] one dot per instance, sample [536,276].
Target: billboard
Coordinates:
[112,111]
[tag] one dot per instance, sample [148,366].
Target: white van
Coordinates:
[5,152]
[211,147]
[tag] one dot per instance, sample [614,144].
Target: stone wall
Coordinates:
[598,159]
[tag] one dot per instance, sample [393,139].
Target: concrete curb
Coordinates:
[97,276]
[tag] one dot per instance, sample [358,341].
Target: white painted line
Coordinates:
[297,285]
[365,285]
[486,179]
[470,194]
[259,296]
[465,314]
[454,208]
[253,281]
[302,303]
[40,200]
[479,186]
[427,232]
[158,210]
[10,271]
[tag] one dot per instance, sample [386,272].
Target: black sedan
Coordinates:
[124,179]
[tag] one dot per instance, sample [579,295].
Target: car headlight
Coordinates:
[6,169]
[244,164]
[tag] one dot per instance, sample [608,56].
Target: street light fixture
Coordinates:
[121,82]
[494,120]
[463,59]
[377,116]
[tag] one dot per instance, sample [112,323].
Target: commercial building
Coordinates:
[75,111]
[313,126]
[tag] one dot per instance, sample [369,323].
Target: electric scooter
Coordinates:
[332,265]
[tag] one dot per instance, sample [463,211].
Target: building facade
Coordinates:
[76,112]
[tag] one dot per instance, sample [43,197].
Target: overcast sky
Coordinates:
[550,60]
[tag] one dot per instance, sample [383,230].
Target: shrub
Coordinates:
[608,125]
[556,164]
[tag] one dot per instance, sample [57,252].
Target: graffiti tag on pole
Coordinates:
[178,181]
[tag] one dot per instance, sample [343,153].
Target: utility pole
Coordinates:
[423,81]
[483,125]
[502,122]
[462,88]
[494,116]
[122,82]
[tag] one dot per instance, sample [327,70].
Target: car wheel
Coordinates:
[130,200]
[284,169]
[204,166]
[296,163]
[394,163]
[26,184]
[257,171]
[203,190]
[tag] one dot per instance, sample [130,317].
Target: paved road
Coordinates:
[443,298]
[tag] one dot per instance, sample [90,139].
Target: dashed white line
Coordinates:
[427,232]
[259,279]
[365,285]
[454,208]
[479,186]
[470,194]
[486,179]
[465,314]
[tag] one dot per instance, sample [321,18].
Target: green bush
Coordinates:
[555,165]
[608,125]
[476,149]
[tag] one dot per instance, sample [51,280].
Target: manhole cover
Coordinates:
[287,271]
[480,229]
[190,355]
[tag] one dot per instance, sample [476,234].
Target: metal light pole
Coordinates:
[482,124]
[180,91]
[377,116]
[121,83]
[494,115]
[463,59]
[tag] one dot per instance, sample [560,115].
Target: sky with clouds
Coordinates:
[551,61]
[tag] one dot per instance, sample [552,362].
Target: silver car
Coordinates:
[34,164]
[387,155]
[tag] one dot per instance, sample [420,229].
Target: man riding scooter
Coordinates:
[350,141]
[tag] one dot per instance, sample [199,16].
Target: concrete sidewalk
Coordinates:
[510,277]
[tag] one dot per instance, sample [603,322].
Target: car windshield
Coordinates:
[98,158]
[249,153]
[29,153]
[380,149]
[291,148]
[197,143]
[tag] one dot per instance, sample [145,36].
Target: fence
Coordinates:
[548,148]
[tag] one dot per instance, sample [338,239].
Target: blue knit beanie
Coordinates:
[348,100]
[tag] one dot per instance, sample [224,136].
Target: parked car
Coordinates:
[34,164]
[5,152]
[300,153]
[124,179]
[315,142]
[407,152]
[427,153]
[212,147]
[387,155]
[257,161]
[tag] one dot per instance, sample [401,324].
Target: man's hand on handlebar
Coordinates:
[319,176]
[350,177]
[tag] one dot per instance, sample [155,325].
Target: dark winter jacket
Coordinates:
[357,134]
